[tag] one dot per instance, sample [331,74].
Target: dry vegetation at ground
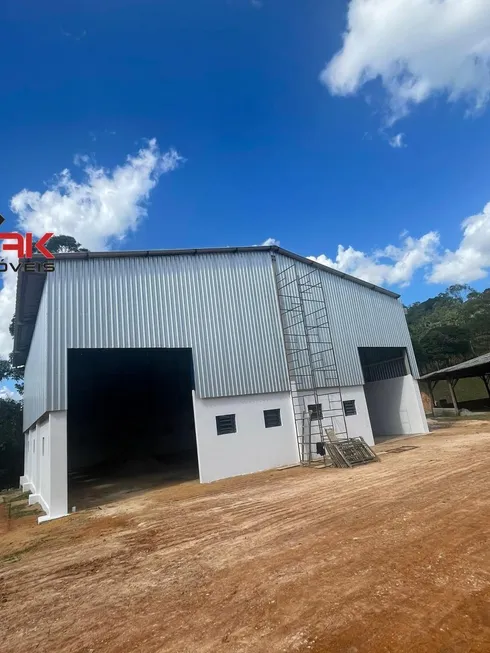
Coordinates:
[391,557]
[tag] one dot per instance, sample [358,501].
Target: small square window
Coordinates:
[350,408]
[272,418]
[225,424]
[316,412]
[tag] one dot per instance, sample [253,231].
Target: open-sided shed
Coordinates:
[478,367]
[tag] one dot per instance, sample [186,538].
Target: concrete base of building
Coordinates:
[26,485]
[45,518]
[45,465]
[390,407]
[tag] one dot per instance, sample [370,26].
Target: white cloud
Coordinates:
[471,260]
[7,393]
[396,265]
[417,48]
[103,208]
[390,266]
[7,307]
[271,241]
[76,37]
[397,141]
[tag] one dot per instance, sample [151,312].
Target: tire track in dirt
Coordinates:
[374,559]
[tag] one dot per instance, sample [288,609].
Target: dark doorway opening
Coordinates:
[130,422]
[381,363]
[384,370]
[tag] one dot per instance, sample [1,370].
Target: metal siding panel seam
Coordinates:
[220,305]
[359,317]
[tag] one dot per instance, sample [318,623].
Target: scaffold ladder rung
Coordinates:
[310,357]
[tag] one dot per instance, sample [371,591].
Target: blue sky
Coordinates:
[270,150]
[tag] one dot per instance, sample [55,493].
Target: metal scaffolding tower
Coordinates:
[312,368]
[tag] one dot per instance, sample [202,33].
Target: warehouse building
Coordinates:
[226,361]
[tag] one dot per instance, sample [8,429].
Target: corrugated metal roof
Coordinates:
[30,284]
[464,368]
[221,303]
[222,250]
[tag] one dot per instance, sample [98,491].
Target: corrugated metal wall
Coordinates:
[36,370]
[358,317]
[223,306]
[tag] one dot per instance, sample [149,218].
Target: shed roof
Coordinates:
[30,284]
[474,367]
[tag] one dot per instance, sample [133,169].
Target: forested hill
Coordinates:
[450,328]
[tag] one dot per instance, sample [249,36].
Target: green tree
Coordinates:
[64,244]
[451,327]
[12,372]
[5,369]
[11,443]
[446,345]
[421,356]
[457,292]
[476,316]
[11,438]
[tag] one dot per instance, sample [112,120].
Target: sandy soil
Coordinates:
[390,557]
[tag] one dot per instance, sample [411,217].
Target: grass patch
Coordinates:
[29,511]
[447,419]
[15,556]
[17,504]
[13,495]
[24,495]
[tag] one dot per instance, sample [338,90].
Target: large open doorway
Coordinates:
[392,395]
[130,422]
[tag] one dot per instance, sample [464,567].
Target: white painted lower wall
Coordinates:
[45,465]
[358,425]
[395,407]
[253,447]
[392,407]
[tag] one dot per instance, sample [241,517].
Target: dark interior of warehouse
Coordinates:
[130,421]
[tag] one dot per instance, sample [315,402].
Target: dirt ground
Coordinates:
[98,487]
[390,557]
